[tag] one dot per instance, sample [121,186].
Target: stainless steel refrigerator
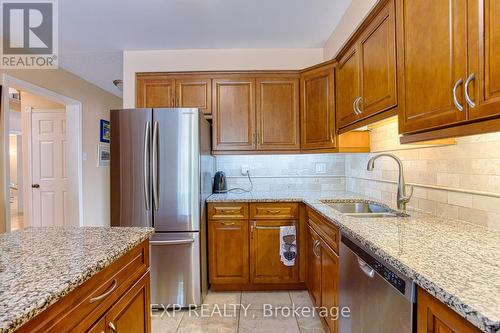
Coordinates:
[161,174]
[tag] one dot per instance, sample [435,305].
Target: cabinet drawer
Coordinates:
[228,211]
[274,211]
[89,302]
[324,228]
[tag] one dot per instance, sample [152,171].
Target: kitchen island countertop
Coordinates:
[38,266]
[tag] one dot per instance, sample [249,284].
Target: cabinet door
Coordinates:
[278,114]
[433,61]
[99,327]
[228,252]
[314,266]
[378,64]
[318,108]
[131,313]
[194,93]
[484,59]
[233,114]
[347,87]
[154,92]
[435,317]
[265,263]
[329,284]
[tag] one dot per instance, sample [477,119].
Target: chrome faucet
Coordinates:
[402,198]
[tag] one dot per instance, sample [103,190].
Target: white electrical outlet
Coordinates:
[244,169]
[320,167]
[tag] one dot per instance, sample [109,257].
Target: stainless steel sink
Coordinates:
[363,209]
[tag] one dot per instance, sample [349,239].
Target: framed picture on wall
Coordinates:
[103,155]
[104,132]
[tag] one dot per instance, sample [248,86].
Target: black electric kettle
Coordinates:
[220,185]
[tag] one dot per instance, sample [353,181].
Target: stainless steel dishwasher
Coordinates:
[379,298]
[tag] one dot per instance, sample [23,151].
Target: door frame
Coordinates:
[74,125]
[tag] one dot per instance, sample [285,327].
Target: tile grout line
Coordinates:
[239,314]
[296,319]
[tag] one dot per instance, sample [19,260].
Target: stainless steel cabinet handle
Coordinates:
[147,139]
[356,105]
[316,247]
[172,242]
[469,100]
[112,327]
[156,197]
[107,293]
[370,272]
[455,100]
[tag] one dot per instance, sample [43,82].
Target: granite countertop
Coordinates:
[455,261]
[38,266]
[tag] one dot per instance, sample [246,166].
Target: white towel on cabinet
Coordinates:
[288,245]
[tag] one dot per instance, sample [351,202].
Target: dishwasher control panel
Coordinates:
[385,272]
[390,277]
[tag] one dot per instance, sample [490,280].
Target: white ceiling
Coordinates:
[93,33]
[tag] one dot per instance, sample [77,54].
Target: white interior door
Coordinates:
[50,182]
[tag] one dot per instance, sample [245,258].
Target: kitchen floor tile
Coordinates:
[254,321]
[221,299]
[257,299]
[195,322]
[301,298]
[165,322]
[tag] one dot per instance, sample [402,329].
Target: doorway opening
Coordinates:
[44,148]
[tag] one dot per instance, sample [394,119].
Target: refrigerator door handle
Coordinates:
[156,199]
[147,139]
[173,242]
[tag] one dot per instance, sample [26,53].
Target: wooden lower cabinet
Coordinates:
[329,284]
[228,252]
[116,297]
[128,315]
[435,317]
[323,268]
[265,260]
[244,246]
[314,266]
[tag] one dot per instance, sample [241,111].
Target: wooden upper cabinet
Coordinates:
[228,251]
[366,71]
[318,108]
[194,93]
[278,113]
[484,58]
[154,92]
[347,88]
[265,260]
[377,47]
[435,317]
[432,60]
[233,110]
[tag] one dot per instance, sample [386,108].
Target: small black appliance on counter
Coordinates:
[220,185]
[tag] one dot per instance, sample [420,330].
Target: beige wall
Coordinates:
[205,60]
[352,18]
[96,104]
[38,102]
[460,181]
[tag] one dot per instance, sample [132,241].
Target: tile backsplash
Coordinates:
[459,180]
[315,172]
